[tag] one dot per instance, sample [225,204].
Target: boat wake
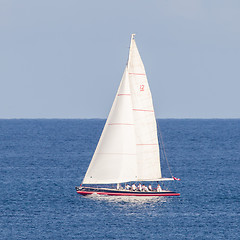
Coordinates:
[128,199]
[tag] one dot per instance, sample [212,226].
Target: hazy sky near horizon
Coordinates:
[65,59]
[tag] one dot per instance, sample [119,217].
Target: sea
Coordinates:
[42,160]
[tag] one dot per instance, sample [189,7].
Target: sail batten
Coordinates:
[128,149]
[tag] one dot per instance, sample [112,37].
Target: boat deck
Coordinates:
[123,192]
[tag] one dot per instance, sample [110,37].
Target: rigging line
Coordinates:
[163,148]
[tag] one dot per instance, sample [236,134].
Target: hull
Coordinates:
[114,192]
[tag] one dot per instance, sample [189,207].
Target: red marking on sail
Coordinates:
[124,94]
[117,153]
[143,110]
[147,144]
[120,124]
[138,74]
[128,194]
[141,87]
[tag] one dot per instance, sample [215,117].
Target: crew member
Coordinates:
[159,189]
[134,187]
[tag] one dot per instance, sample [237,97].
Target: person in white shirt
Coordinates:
[139,187]
[159,189]
[150,187]
[145,189]
[127,187]
[134,187]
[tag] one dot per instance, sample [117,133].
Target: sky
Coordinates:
[65,59]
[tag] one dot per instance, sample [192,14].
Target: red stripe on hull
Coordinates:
[128,194]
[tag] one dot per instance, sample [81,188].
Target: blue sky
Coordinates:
[65,59]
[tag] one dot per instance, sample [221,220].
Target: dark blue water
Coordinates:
[41,161]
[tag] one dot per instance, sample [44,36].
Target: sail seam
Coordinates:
[118,153]
[150,144]
[124,94]
[120,124]
[138,74]
[143,110]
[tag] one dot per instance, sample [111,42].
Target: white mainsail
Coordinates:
[128,148]
[144,118]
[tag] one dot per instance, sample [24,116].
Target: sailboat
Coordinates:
[128,149]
